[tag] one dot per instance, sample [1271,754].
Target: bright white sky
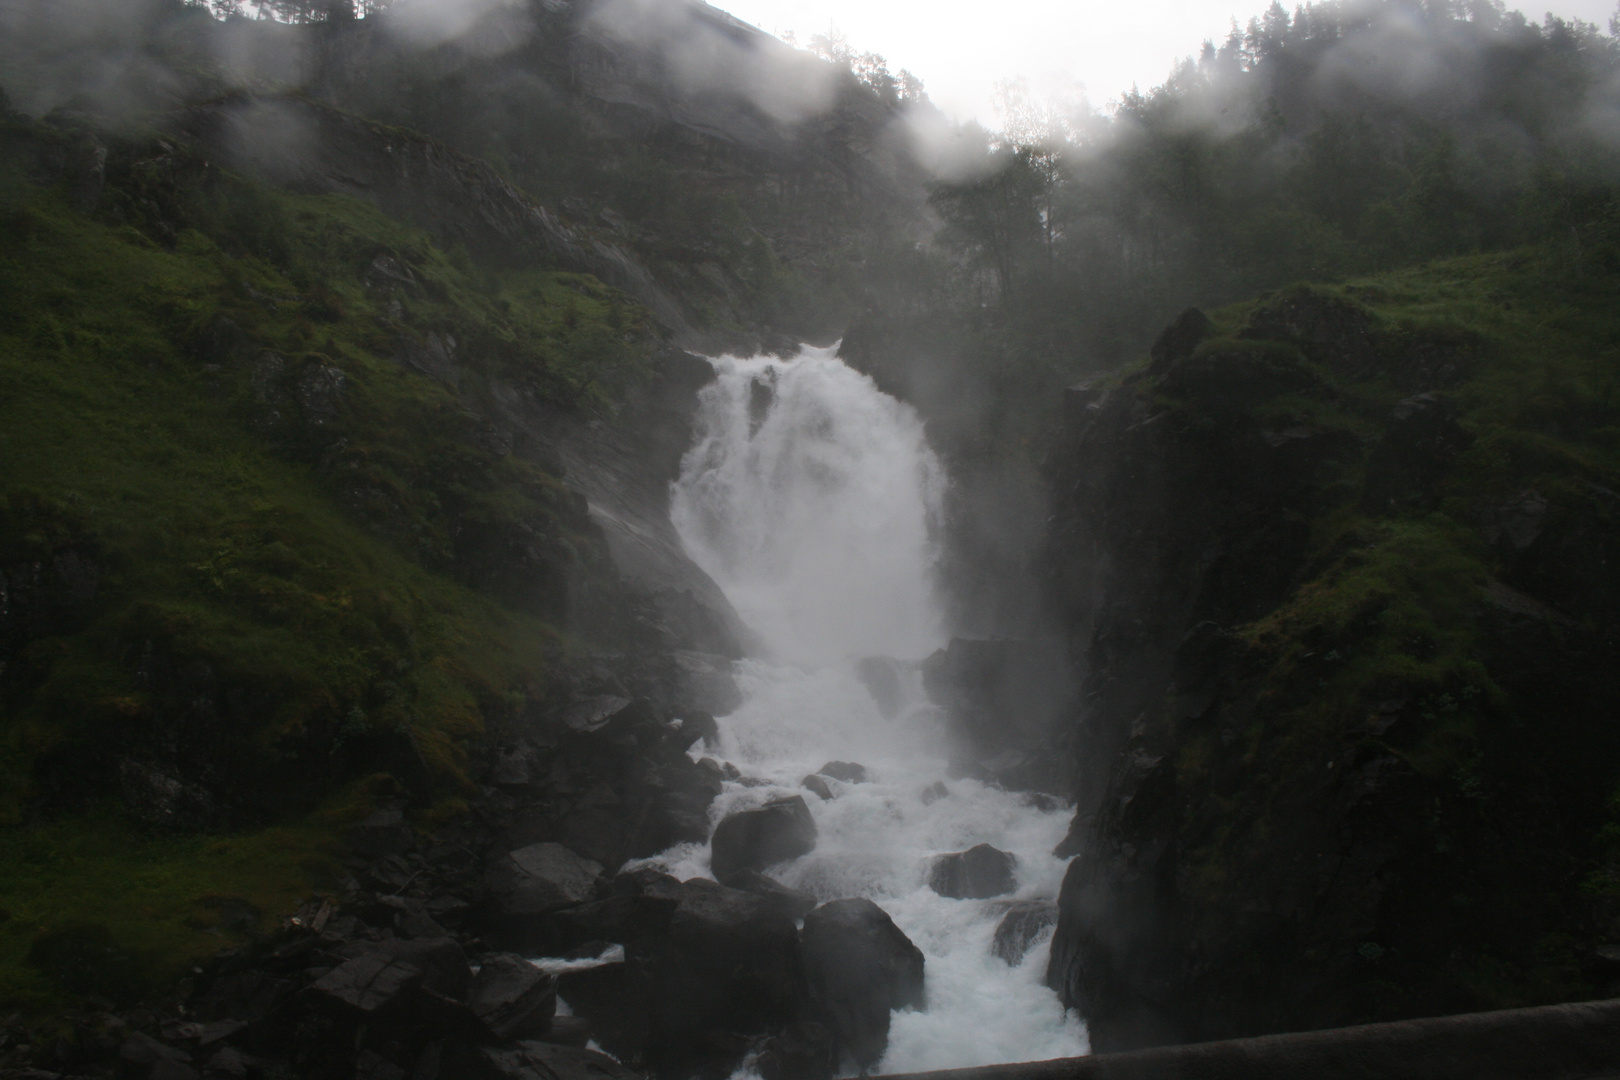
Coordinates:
[961,48]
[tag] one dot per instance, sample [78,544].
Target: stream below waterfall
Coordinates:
[814,501]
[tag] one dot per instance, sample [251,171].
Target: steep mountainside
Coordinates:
[1341,569]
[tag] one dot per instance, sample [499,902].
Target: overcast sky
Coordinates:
[960,48]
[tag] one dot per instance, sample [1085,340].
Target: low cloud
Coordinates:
[705,50]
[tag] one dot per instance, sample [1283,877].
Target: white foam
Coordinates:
[819,519]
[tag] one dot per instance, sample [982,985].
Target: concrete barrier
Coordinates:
[1580,1041]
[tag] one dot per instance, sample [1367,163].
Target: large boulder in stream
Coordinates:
[978,873]
[1021,926]
[782,829]
[860,967]
[724,970]
[511,998]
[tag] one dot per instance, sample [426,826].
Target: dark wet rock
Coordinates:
[818,786]
[975,874]
[511,997]
[782,829]
[848,771]
[414,922]
[517,767]
[382,975]
[730,962]
[933,793]
[1019,928]
[587,950]
[803,1051]
[370,1065]
[534,1060]
[860,967]
[243,996]
[1003,695]
[527,885]
[679,793]
[790,902]
[569,1031]
[1178,340]
[141,1049]
[726,968]
[542,877]
[447,910]
[1074,840]
[623,918]
[389,875]
[596,826]
[705,684]
[695,727]
[231,1062]
[761,396]
[594,713]
[881,676]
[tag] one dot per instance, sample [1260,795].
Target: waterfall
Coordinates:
[813,500]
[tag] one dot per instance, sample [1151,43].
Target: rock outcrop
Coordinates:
[1301,743]
[860,967]
[975,874]
[782,829]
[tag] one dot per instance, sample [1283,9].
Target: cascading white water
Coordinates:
[813,500]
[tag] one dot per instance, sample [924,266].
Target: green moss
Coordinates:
[291,586]
[1396,645]
[93,906]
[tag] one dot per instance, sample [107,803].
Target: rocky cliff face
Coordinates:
[1342,743]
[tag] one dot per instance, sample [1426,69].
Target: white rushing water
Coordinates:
[813,500]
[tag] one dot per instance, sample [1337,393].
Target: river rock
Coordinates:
[544,876]
[817,785]
[528,884]
[725,970]
[782,829]
[975,874]
[790,902]
[534,1060]
[881,675]
[1020,926]
[848,771]
[933,793]
[860,967]
[638,908]
[803,1051]
[511,997]
[381,976]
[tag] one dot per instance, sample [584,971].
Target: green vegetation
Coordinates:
[256,547]
[1430,608]
[93,905]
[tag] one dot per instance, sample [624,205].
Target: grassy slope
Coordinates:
[229,542]
[1510,861]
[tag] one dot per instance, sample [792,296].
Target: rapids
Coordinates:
[814,501]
